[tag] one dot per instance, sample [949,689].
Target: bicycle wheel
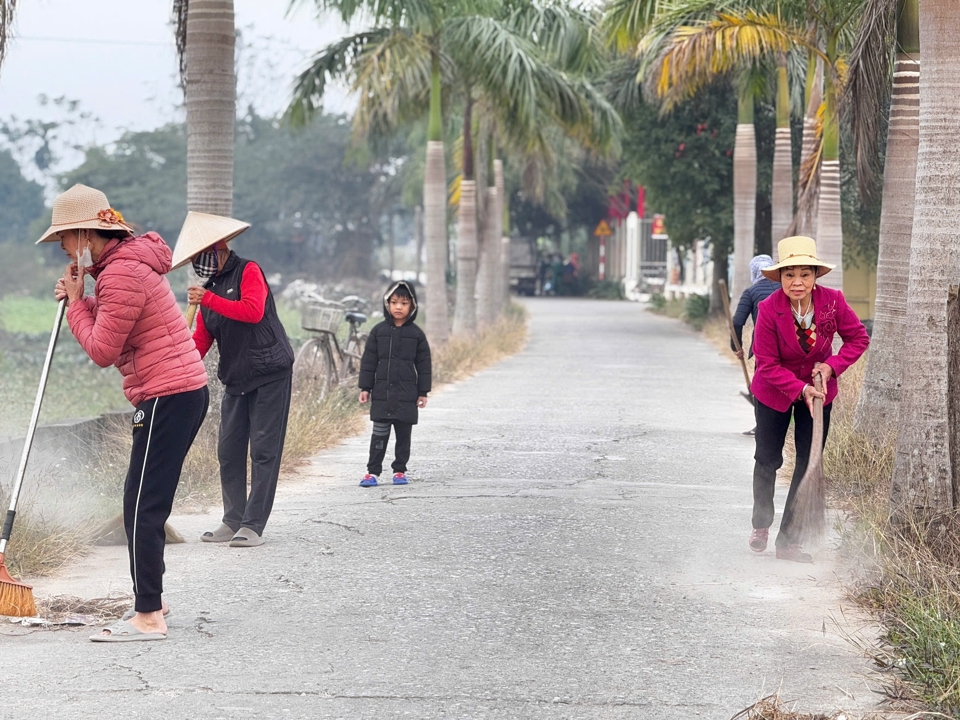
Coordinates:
[351,356]
[313,366]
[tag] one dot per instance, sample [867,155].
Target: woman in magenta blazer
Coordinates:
[793,342]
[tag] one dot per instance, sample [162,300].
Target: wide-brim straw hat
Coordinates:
[83,207]
[201,231]
[797,251]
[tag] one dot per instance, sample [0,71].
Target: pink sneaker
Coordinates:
[758,539]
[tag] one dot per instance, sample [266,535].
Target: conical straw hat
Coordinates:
[83,207]
[201,231]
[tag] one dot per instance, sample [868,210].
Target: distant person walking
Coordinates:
[759,290]
[793,342]
[395,378]
[133,322]
[237,311]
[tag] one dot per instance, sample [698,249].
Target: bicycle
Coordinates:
[321,362]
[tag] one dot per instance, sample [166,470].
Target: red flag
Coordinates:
[641,201]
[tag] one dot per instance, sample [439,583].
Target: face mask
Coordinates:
[84,259]
[206,264]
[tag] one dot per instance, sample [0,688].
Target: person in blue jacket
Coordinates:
[759,290]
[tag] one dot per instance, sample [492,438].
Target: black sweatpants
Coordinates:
[163,431]
[378,446]
[256,420]
[772,429]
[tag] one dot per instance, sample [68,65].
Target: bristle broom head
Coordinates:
[16,598]
[810,507]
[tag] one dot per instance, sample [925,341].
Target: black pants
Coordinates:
[256,420]
[378,446]
[772,429]
[163,431]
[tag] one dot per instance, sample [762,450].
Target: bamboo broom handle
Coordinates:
[733,333]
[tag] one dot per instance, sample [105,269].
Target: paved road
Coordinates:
[573,546]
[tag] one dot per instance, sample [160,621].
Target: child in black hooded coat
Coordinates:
[395,375]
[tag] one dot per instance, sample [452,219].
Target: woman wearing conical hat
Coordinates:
[132,321]
[793,342]
[237,311]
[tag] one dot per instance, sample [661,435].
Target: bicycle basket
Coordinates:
[322,316]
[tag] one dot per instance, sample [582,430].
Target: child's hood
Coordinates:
[413,301]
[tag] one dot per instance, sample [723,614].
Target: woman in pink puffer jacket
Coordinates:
[133,321]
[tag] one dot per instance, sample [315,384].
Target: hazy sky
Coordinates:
[117,57]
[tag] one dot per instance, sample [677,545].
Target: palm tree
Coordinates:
[925,474]
[713,47]
[206,39]
[400,64]
[890,29]
[476,49]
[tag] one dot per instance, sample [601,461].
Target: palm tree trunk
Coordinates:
[465,314]
[744,194]
[489,247]
[879,406]
[210,90]
[829,217]
[928,442]
[503,246]
[418,237]
[435,218]
[489,262]
[806,223]
[782,186]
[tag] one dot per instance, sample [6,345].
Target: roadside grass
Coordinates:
[904,570]
[693,310]
[773,708]
[40,546]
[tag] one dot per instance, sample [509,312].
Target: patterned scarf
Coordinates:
[806,330]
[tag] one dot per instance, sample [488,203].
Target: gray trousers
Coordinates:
[256,420]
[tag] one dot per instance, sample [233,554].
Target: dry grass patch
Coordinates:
[773,708]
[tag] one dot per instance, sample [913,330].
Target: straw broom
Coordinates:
[16,598]
[810,505]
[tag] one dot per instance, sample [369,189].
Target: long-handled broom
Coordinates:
[16,598]
[733,338]
[810,505]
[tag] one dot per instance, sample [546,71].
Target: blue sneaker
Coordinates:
[369,481]
[400,479]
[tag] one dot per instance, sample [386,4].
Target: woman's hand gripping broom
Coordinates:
[16,598]
[810,508]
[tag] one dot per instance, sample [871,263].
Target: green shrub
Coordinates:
[696,310]
[658,301]
[606,290]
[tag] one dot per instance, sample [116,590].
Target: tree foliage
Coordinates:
[314,203]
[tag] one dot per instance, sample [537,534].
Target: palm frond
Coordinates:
[626,21]
[658,38]
[868,87]
[565,34]
[808,179]
[392,80]
[621,85]
[416,15]
[508,68]
[603,128]
[699,53]
[334,61]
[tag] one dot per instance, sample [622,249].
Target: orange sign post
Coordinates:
[602,231]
